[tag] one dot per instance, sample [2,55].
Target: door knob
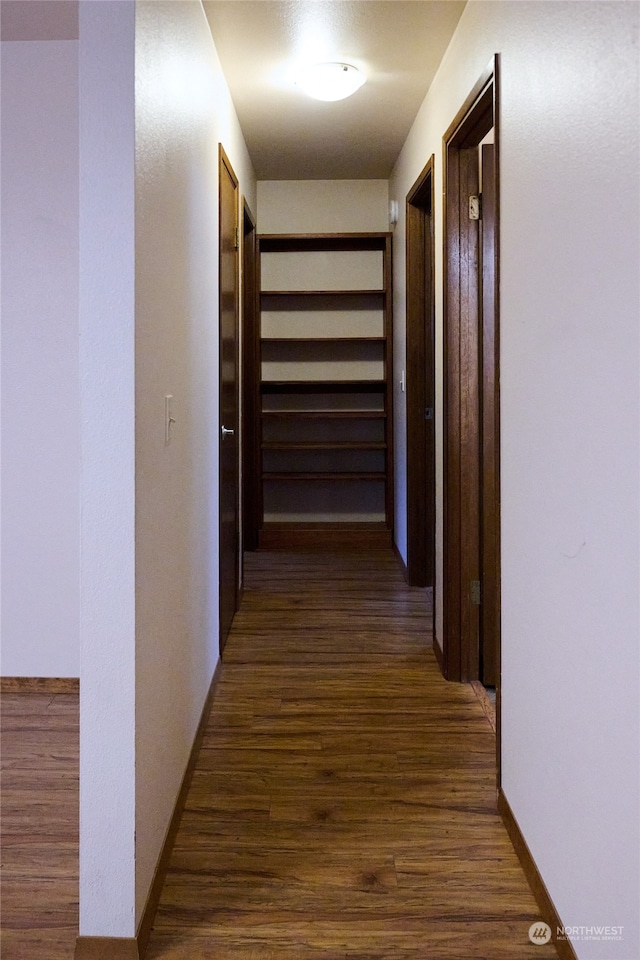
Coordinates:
[226,432]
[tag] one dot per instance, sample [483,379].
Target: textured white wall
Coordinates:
[107,314]
[569,363]
[183,109]
[322,206]
[149,327]
[40,385]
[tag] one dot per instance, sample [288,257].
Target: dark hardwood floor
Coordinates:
[343,805]
[39,828]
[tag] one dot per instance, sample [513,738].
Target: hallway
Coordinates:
[343,804]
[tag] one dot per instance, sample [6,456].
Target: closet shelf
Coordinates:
[325,475]
[323,340]
[376,292]
[322,386]
[295,242]
[324,414]
[324,445]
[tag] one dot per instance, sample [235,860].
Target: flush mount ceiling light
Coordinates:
[330,81]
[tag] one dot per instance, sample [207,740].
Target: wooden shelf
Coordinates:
[322,386]
[322,293]
[324,414]
[366,535]
[295,242]
[320,475]
[324,445]
[323,339]
[307,448]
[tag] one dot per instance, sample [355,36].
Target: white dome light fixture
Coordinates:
[330,81]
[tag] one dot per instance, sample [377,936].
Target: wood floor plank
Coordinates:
[343,806]
[39,828]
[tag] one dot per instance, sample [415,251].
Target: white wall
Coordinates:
[569,406]
[183,110]
[322,206]
[107,608]
[40,388]
[154,106]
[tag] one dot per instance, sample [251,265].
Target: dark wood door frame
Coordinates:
[250,398]
[421,471]
[228,456]
[471,481]
[490,427]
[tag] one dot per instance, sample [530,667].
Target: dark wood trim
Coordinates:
[225,167]
[288,536]
[486,703]
[542,897]
[70,685]
[497,112]
[467,390]
[153,897]
[287,242]
[402,564]
[462,426]
[490,428]
[450,403]
[421,193]
[474,113]
[388,377]
[250,395]
[437,649]
[107,948]
[420,335]
[254,374]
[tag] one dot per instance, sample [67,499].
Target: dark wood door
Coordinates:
[228,440]
[489,419]
[471,587]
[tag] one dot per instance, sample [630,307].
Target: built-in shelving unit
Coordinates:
[323,385]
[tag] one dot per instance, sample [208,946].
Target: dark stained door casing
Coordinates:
[229,427]
[490,428]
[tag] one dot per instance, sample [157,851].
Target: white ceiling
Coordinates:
[398,44]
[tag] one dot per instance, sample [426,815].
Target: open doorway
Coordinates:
[250,354]
[229,397]
[471,595]
[421,473]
